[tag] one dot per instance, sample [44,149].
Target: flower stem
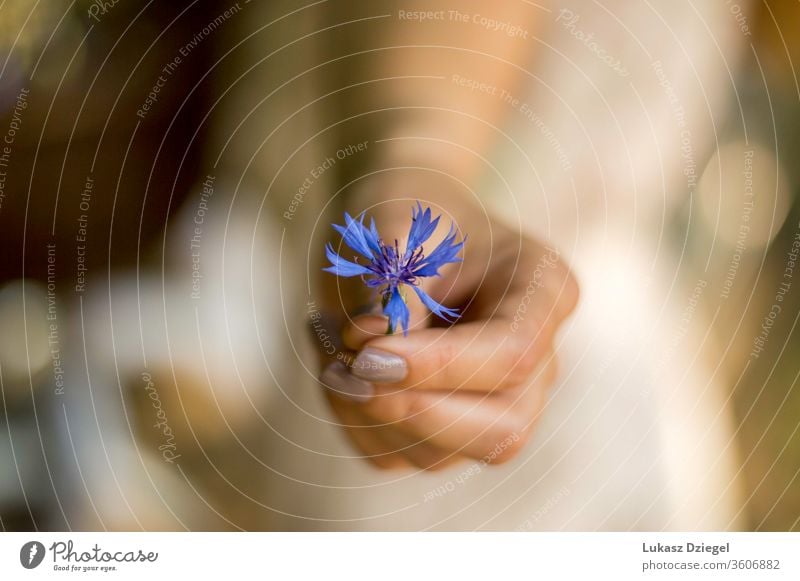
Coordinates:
[384,302]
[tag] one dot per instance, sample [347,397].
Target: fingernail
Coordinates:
[339,380]
[379,366]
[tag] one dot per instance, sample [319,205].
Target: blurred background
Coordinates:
[111,160]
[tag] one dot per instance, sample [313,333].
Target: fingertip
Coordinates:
[338,380]
[363,328]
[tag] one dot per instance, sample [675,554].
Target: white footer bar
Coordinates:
[400,556]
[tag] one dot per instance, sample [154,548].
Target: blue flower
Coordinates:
[387,268]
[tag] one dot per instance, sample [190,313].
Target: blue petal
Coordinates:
[342,267]
[421,228]
[373,231]
[370,234]
[439,310]
[397,311]
[358,237]
[445,253]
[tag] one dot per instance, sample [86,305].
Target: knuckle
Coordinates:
[551,370]
[439,361]
[527,365]
[399,406]
[569,293]
[508,447]
[388,407]
[520,362]
[446,354]
[416,404]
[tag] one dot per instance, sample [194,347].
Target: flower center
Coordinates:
[392,268]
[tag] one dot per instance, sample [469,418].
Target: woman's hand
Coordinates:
[472,389]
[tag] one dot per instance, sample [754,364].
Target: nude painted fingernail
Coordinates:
[379,366]
[340,381]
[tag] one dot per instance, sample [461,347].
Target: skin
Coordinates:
[483,380]
[471,385]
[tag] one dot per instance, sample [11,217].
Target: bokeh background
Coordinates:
[93,184]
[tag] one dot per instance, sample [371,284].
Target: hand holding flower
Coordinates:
[435,394]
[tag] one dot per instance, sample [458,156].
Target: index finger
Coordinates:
[480,356]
